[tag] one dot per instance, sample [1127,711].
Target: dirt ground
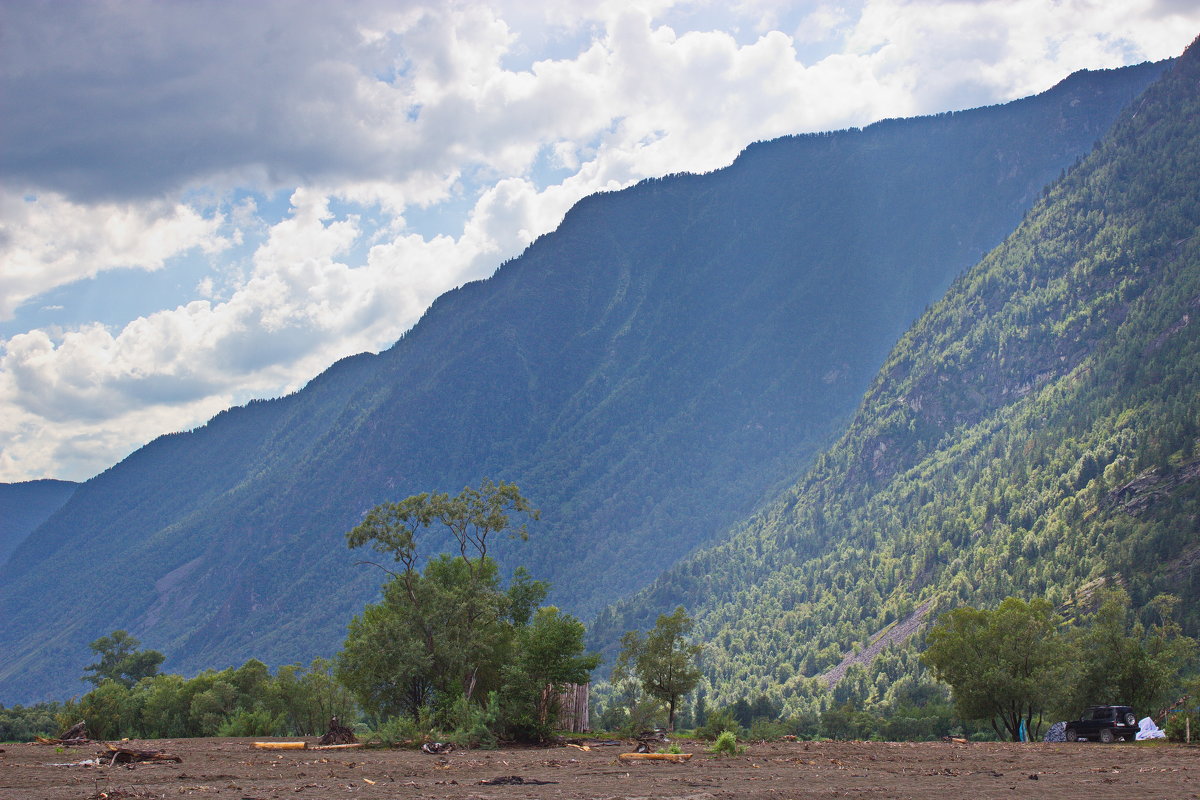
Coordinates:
[232,768]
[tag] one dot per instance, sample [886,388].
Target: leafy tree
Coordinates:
[455,607]
[548,656]
[428,632]
[1009,665]
[121,661]
[1124,662]
[663,660]
[450,638]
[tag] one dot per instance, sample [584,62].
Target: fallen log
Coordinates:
[655,756]
[281,745]
[351,746]
[124,755]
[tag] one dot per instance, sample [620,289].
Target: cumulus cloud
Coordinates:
[48,241]
[369,114]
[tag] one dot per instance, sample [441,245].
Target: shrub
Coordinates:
[252,723]
[764,730]
[1177,726]
[397,731]
[726,745]
[473,724]
[718,722]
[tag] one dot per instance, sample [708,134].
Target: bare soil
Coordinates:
[232,768]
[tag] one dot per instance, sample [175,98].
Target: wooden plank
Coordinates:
[281,745]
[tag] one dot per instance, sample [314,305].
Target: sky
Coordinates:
[211,201]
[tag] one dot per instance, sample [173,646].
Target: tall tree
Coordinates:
[455,607]
[1123,661]
[1009,665]
[664,661]
[121,660]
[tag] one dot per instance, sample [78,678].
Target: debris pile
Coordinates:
[338,734]
[75,735]
[125,755]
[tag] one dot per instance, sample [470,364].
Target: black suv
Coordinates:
[1106,723]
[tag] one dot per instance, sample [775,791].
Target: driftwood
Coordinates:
[281,745]
[655,756]
[512,780]
[66,742]
[124,755]
[338,734]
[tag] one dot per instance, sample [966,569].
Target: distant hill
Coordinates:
[648,374]
[24,506]
[1037,432]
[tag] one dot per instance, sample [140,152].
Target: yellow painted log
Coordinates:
[281,745]
[655,756]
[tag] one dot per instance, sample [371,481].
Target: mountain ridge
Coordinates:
[1033,433]
[26,505]
[645,374]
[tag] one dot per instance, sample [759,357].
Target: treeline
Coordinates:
[243,701]
[1021,668]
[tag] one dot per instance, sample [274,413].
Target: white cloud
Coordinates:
[371,114]
[47,241]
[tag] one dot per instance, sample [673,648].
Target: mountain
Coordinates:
[1034,434]
[648,374]
[25,506]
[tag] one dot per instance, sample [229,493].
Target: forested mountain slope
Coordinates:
[25,506]
[1035,431]
[647,374]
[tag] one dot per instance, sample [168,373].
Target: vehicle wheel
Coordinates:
[1106,735]
[1071,735]
[1130,719]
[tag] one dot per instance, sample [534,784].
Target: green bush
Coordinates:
[726,745]
[1178,723]
[472,724]
[397,731]
[765,730]
[718,722]
[252,723]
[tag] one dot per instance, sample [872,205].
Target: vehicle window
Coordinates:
[1102,713]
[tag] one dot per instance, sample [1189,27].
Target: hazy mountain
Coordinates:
[648,374]
[24,506]
[1035,433]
